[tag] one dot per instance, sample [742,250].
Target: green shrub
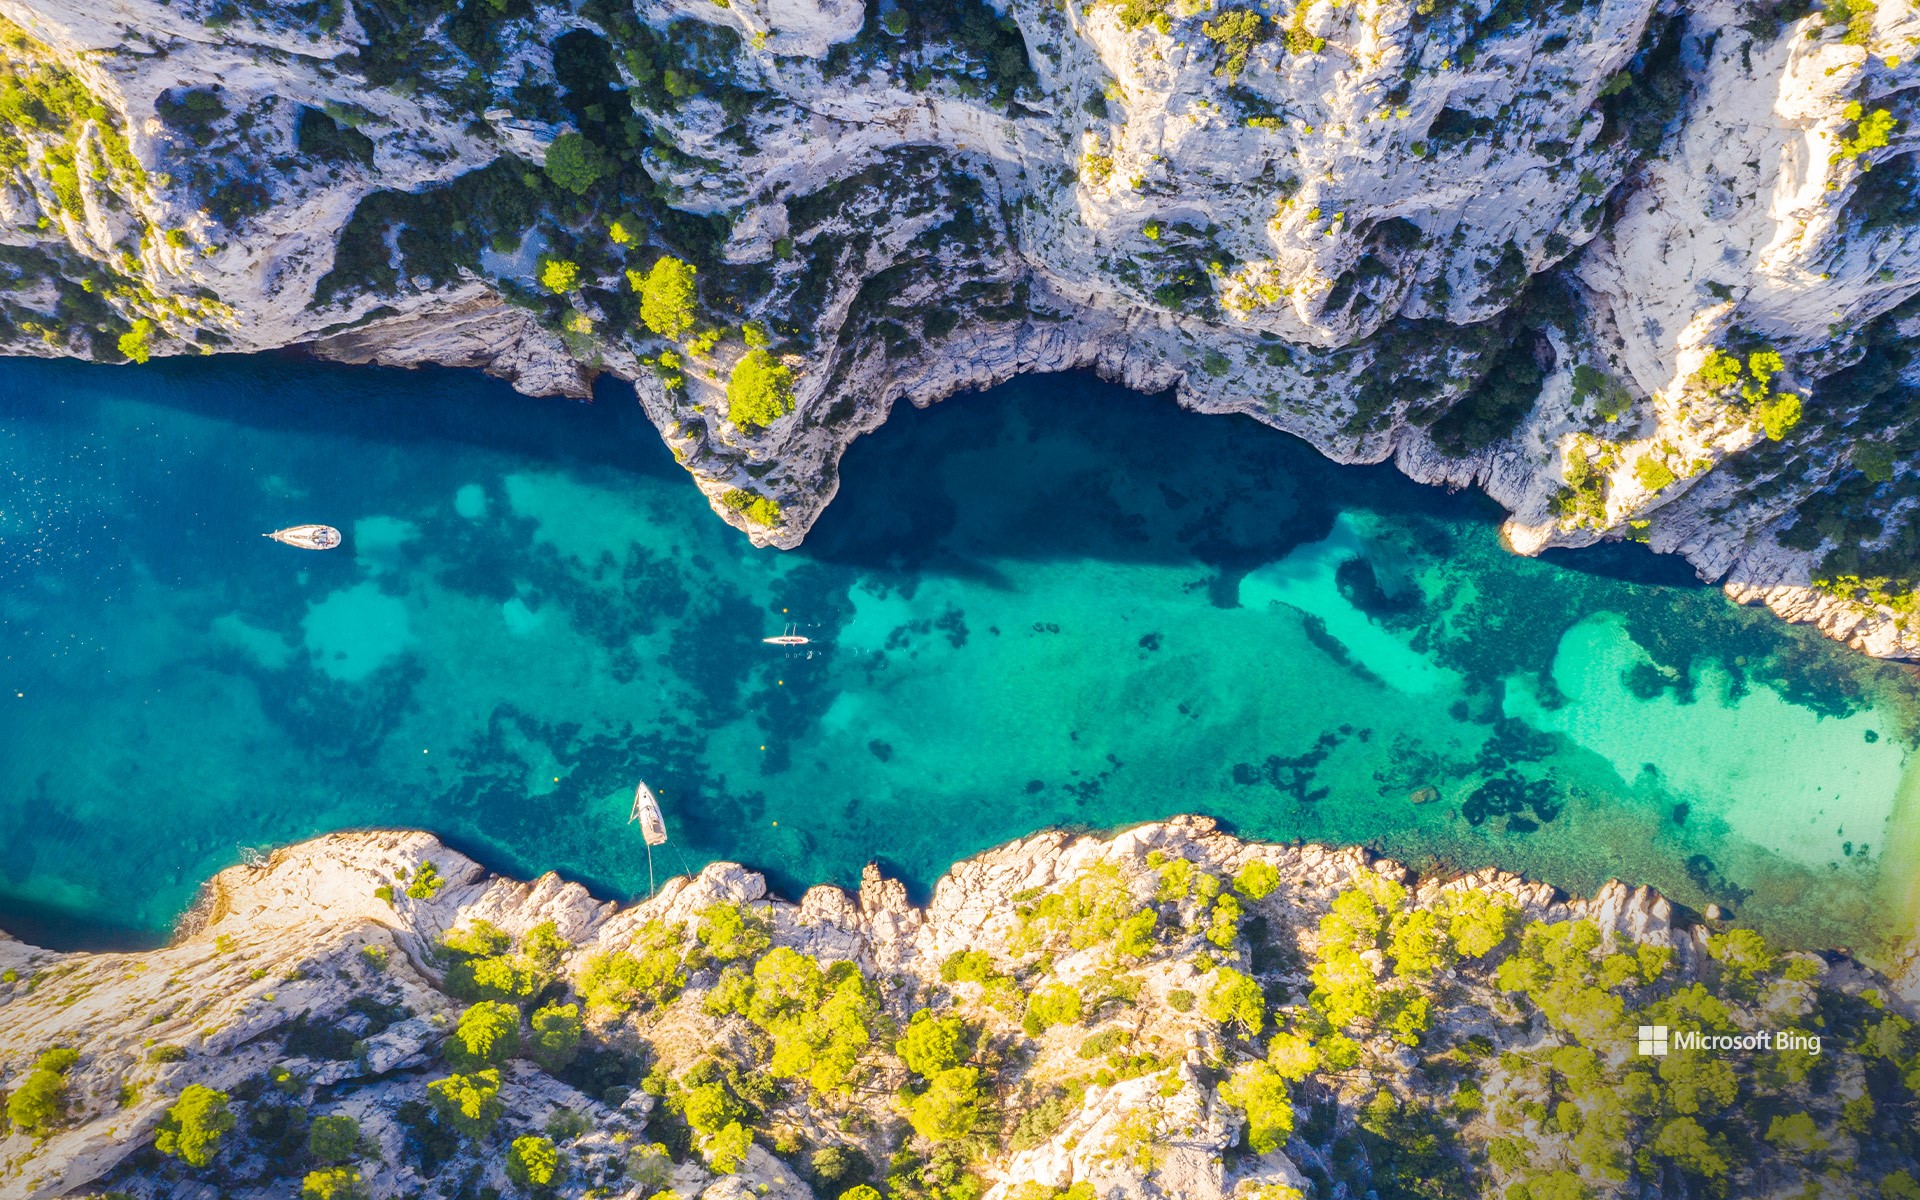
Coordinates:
[565,1125]
[135,344]
[1418,944]
[1692,1148]
[731,932]
[1236,32]
[1871,130]
[544,947]
[1180,1000]
[760,391]
[1718,371]
[38,1101]
[949,1110]
[1874,460]
[820,1021]
[650,1168]
[1778,414]
[1236,999]
[1652,473]
[1260,1092]
[1292,1056]
[556,1036]
[1478,922]
[668,299]
[759,510]
[618,981]
[334,1183]
[1298,40]
[559,276]
[1743,952]
[532,1162]
[334,1139]
[426,883]
[933,1044]
[469,1105]
[167,1054]
[968,966]
[479,939]
[1257,880]
[709,1107]
[318,135]
[1135,936]
[483,969]
[1223,927]
[1054,1004]
[726,1151]
[1088,911]
[1855,17]
[576,164]
[59,1060]
[487,1036]
[192,1129]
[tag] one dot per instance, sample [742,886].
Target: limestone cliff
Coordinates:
[1639,268]
[1168,1012]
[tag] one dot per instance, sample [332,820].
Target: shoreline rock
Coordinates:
[291,944]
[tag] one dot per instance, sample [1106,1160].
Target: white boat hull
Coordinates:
[646,812]
[307,537]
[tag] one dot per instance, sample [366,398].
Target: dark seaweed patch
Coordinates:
[1513,797]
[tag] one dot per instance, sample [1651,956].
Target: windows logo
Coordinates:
[1653,1040]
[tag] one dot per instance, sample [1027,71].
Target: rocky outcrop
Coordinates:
[1495,242]
[340,938]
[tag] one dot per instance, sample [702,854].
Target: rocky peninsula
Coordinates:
[1169,1011]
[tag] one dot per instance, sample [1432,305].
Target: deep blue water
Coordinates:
[1055,603]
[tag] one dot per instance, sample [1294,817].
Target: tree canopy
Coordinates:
[334,1139]
[576,164]
[760,391]
[556,1036]
[193,1126]
[488,1034]
[533,1162]
[469,1104]
[668,298]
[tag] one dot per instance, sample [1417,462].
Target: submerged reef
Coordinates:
[1169,1011]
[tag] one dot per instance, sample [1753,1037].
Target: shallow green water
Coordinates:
[1055,603]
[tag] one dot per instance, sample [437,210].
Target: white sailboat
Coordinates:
[791,637]
[646,813]
[307,537]
[653,826]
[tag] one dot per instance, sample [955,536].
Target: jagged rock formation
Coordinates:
[1638,268]
[1112,997]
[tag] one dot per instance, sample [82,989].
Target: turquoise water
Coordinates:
[1056,603]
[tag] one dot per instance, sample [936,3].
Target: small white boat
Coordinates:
[307,537]
[646,811]
[789,638]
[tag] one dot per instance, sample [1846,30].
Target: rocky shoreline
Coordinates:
[1084,980]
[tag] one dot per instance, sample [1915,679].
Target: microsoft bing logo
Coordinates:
[1653,1040]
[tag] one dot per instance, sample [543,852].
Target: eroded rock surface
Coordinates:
[1516,244]
[1196,965]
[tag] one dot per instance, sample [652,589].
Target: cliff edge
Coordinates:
[1640,268]
[1166,1012]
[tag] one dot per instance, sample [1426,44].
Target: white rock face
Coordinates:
[1335,224]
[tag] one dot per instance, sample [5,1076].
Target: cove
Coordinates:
[1055,603]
